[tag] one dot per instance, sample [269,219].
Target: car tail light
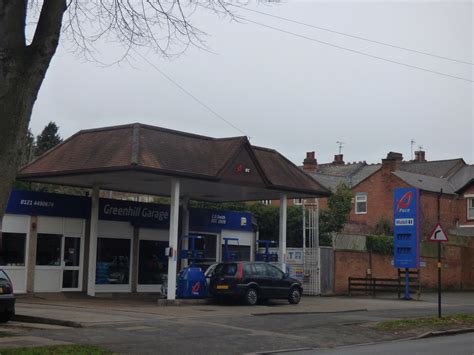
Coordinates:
[240,272]
[7,288]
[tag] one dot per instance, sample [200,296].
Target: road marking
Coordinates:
[252,332]
[138,327]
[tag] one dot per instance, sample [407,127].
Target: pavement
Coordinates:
[458,344]
[140,326]
[88,311]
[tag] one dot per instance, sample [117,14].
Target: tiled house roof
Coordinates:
[450,175]
[349,174]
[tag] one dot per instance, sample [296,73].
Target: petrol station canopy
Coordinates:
[144,159]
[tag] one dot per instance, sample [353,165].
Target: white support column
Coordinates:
[173,239]
[185,227]
[94,228]
[282,230]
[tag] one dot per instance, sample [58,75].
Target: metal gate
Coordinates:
[311,250]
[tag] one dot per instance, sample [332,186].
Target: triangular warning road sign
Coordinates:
[438,234]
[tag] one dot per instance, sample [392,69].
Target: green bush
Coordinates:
[383,227]
[379,244]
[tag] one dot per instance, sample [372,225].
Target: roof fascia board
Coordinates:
[31,176]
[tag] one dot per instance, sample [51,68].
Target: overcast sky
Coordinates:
[290,93]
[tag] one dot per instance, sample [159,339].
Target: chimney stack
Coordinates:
[338,159]
[420,156]
[310,163]
[392,161]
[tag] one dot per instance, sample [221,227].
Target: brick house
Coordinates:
[373,186]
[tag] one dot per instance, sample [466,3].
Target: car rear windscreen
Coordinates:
[226,269]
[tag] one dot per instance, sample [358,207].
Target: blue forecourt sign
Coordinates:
[406,246]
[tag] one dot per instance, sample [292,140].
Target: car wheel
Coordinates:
[295,296]
[251,297]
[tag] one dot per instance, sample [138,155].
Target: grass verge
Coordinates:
[57,350]
[462,320]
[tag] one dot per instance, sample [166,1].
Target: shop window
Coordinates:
[48,249]
[12,249]
[361,203]
[113,261]
[152,262]
[470,208]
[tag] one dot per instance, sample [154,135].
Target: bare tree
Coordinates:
[161,25]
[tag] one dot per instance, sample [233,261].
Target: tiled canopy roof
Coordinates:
[138,147]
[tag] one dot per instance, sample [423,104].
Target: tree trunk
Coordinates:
[22,71]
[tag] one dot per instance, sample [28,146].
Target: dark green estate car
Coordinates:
[253,281]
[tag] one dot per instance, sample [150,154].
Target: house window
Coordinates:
[470,208]
[297,201]
[266,202]
[361,204]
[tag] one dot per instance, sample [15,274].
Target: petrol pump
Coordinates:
[191,280]
[227,255]
[267,255]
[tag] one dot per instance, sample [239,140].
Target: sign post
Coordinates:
[406,245]
[439,236]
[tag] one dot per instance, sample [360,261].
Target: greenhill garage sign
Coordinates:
[138,213]
[141,214]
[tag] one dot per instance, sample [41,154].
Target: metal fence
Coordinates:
[311,250]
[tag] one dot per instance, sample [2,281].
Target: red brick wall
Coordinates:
[346,264]
[458,268]
[379,188]
[450,207]
[467,265]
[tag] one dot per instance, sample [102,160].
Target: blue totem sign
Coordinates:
[406,222]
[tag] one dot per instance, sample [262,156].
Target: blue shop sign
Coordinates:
[406,222]
[33,203]
[216,220]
